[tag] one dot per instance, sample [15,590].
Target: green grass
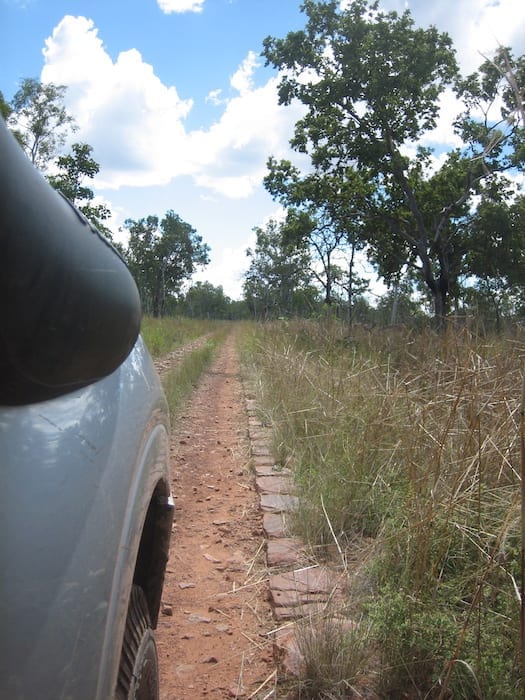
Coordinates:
[164,334]
[407,444]
[180,382]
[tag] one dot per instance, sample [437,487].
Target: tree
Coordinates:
[496,138]
[203,300]
[496,255]
[162,257]
[324,240]
[39,120]
[371,83]
[277,282]
[72,171]
[324,213]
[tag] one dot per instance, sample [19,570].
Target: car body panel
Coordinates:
[78,475]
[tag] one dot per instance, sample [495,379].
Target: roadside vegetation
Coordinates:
[405,448]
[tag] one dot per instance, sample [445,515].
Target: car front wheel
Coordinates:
[138,677]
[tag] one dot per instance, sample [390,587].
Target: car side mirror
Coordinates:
[69,307]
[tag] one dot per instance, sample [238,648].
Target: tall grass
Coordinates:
[410,441]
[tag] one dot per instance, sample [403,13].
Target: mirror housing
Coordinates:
[69,308]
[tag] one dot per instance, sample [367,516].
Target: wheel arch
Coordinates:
[143,549]
[153,551]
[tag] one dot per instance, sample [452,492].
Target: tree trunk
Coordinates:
[439,297]
[438,287]
[395,303]
[351,288]
[155,301]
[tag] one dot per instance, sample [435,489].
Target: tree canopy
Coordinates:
[323,214]
[371,83]
[204,300]
[39,120]
[278,281]
[162,256]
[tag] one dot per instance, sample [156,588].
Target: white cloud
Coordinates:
[235,149]
[443,134]
[242,79]
[214,97]
[227,269]
[131,119]
[179,6]
[136,124]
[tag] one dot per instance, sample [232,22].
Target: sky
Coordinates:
[182,113]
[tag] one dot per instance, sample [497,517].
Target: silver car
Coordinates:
[86,511]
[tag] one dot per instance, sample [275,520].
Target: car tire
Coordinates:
[138,677]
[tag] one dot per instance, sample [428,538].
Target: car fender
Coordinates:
[78,475]
[151,482]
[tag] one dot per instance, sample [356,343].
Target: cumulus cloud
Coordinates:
[235,149]
[132,120]
[242,79]
[136,124]
[228,267]
[179,6]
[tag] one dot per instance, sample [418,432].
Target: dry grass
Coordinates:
[412,440]
[334,652]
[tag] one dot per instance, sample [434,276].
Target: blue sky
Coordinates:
[180,111]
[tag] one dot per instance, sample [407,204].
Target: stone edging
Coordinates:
[296,590]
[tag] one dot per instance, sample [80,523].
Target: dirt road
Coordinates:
[212,636]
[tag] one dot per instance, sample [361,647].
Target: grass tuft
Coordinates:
[333,651]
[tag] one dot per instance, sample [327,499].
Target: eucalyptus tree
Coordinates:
[324,214]
[278,280]
[162,255]
[39,120]
[371,83]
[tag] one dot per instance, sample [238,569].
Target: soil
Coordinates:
[212,635]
